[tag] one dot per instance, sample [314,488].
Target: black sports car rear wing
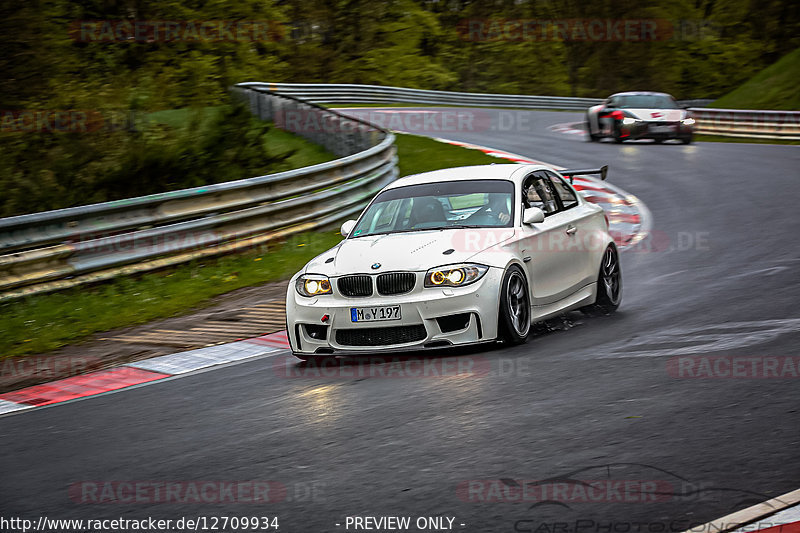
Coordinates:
[602,171]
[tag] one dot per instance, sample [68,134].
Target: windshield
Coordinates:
[472,203]
[646,101]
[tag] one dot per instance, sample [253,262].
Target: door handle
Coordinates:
[571,230]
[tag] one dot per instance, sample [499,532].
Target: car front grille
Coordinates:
[655,123]
[396,283]
[380,336]
[355,285]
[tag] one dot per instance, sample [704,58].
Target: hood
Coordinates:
[413,251]
[657,115]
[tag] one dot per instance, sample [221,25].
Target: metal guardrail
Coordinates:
[66,247]
[376,94]
[697,102]
[747,123]
[728,122]
[321,93]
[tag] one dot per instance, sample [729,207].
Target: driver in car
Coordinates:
[498,206]
[426,211]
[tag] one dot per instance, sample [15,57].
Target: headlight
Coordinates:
[313,285]
[454,275]
[628,121]
[688,121]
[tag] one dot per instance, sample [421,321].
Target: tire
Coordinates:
[592,137]
[687,139]
[617,134]
[514,320]
[658,140]
[609,285]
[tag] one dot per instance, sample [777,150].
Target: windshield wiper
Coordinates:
[472,226]
[396,231]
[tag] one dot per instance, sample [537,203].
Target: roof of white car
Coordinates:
[505,171]
[641,93]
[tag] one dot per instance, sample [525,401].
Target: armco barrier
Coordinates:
[728,122]
[746,123]
[66,247]
[376,94]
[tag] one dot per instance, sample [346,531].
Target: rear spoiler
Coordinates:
[602,171]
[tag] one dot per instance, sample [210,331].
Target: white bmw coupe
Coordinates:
[453,257]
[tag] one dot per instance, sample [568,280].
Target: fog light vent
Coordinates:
[317,332]
[453,322]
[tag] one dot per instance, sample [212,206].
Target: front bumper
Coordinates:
[655,130]
[466,315]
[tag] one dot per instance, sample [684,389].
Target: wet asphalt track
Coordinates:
[591,402]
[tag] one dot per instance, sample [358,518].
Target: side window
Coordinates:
[537,191]
[564,192]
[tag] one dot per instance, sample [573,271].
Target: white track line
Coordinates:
[10,407]
[184,362]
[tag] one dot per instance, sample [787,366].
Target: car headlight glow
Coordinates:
[688,121]
[454,275]
[313,285]
[628,121]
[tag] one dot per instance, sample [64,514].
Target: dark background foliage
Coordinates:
[715,45]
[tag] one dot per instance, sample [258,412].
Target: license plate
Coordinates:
[375,314]
[662,129]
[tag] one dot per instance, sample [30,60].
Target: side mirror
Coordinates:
[532,215]
[347,227]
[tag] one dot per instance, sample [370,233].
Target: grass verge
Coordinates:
[421,154]
[48,321]
[775,87]
[298,151]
